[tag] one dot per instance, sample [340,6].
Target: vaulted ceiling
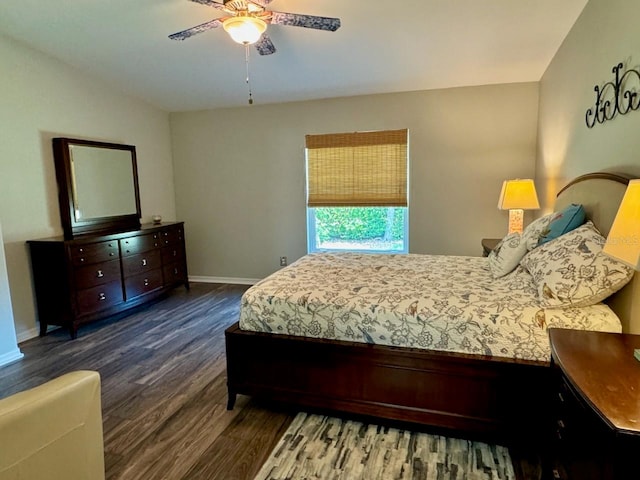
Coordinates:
[381,47]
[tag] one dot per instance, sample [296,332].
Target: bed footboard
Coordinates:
[481,396]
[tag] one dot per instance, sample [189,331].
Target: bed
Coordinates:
[475,367]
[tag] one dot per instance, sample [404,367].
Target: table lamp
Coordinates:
[623,241]
[516,196]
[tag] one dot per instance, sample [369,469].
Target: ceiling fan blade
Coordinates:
[210,3]
[189,32]
[265,46]
[307,21]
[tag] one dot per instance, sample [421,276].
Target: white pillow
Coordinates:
[506,255]
[536,229]
[571,270]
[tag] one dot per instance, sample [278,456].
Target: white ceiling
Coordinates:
[381,47]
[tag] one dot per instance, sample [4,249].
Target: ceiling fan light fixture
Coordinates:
[245,29]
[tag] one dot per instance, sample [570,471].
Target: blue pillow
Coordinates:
[568,219]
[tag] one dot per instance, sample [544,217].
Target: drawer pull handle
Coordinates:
[560,423]
[155,244]
[102,296]
[111,254]
[144,262]
[175,253]
[100,274]
[175,271]
[81,250]
[556,473]
[155,235]
[82,260]
[560,397]
[146,282]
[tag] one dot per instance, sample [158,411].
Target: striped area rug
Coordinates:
[319,447]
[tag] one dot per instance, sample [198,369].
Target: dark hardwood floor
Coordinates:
[164,390]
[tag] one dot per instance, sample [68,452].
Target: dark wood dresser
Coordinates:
[96,276]
[597,405]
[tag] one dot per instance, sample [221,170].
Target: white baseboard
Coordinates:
[230,280]
[33,333]
[28,335]
[10,357]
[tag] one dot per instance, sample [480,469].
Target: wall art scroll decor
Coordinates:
[618,96]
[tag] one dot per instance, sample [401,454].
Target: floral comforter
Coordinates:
[423,301]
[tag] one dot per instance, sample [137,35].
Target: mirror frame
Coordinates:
[64,176]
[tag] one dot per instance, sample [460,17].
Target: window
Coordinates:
[357,191]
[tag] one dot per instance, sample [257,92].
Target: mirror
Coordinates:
[97,187]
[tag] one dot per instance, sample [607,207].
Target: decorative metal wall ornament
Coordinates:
[617,96]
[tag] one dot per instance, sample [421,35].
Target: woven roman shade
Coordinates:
[361,169]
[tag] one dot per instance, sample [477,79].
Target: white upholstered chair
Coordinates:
[53,431]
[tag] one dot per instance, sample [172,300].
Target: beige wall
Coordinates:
[606,33]
[41,98]
[239,173]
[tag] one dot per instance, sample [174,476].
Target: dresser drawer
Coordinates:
[142,262]
[140,243]
[172,236]
[144,283]
[174,273]
[97,274]
[172,253]
[99,297]
[88,253]
[580,444]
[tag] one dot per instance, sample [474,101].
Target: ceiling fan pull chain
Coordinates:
[246,58]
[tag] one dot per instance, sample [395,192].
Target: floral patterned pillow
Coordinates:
[536,229]
[571,270]
[506,255]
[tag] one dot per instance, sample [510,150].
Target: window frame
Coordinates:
[357,139]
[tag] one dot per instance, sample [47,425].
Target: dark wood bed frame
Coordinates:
[484,397]
[481,396]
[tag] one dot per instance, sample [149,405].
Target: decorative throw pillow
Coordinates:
[532,232]
[572,270]
[507,254]
[564,221]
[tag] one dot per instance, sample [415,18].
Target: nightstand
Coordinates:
[596,405]
[489,244]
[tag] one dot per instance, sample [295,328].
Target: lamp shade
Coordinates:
[623,241]
[518,193]
[244,29]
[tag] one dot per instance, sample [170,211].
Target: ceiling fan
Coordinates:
[247,22]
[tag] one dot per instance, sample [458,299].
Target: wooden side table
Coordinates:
[597,404]
[489,244]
